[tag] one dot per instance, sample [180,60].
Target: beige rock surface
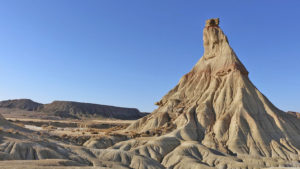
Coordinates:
[216,105]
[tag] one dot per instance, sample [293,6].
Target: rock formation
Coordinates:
[215,106]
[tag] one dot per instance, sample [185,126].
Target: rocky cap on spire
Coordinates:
[212,22]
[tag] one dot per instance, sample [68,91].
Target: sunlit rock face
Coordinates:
[218,107]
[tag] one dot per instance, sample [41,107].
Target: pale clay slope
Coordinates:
[26,145]
[217,105]
[214,118]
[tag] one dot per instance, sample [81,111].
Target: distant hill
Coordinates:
[24,104]
[75,110]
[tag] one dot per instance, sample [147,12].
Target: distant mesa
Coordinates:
[24,104]
[73,110]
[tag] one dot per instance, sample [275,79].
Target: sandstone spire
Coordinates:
[217,105]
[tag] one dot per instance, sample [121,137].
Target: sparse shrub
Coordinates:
[10,131]
[94,132]
[20,124]
[52,127]
[134,134]
[44,126]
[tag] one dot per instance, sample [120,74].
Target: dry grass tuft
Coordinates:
[20,124]
[93,131]
[44,126]
[10,131]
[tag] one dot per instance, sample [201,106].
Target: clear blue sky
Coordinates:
[132,52]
